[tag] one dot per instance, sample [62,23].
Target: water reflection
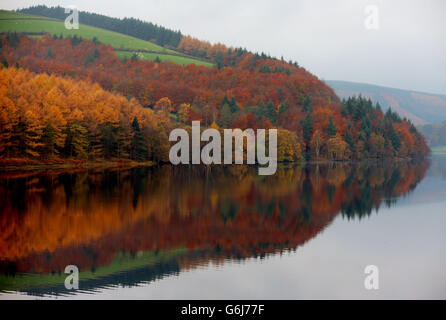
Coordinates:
[127,227]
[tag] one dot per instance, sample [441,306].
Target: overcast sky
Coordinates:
[329,38]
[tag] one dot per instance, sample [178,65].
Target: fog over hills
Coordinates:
[420,107]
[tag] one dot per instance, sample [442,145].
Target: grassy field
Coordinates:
[11,21]
[121,263]
[164,57]
[4,14]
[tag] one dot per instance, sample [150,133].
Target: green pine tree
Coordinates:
[225,116]
[271,113]
[234,106]
[49,137]
[138,147]
[307,127]
[79,140]
[349,139]
[307,104]
[284,107]
[109,140]
[331,128]
[261,110]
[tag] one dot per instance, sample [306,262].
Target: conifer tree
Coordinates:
[225,116]
[307,127]
[271,113]
[138,147]
[331,127]
[79,140]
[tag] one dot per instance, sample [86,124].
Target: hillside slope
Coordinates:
[124,45]
[435,133]
[420,107]
[129,26]
[256,93]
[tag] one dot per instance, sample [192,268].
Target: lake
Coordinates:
[195,232]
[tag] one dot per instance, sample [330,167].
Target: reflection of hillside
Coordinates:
[86,218]
[437,168]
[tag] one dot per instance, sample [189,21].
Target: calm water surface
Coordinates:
[226,233]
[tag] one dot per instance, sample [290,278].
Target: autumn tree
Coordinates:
[8,120]
[184,113]
[164,105]
[288,148]
[376,145]
[316,143]
[77,141]
[33,133]
[336,148]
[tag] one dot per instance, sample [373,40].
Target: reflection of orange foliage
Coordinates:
[88,217]
[337,175]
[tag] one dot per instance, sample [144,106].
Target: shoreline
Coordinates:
[11,165]
[14,165]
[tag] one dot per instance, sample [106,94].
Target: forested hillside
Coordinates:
[218,53]
[318,125]
[46,116]
[420,107]
[435,133]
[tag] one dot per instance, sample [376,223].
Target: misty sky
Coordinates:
[328,38]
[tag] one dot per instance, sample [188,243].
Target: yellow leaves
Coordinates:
[54,98]
[106,114]
[164,105]
[8,109]
[47,104]
[184,112]
[145,117]
[337,148]
[9,115]
[33,132]
[215,126]
[33,120]
[288,148]
[76,115]
[189,44]
[376,145]
[54,116]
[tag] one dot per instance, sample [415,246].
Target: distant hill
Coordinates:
[435,134]
[420,107]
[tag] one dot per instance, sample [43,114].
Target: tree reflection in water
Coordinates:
[124,227]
